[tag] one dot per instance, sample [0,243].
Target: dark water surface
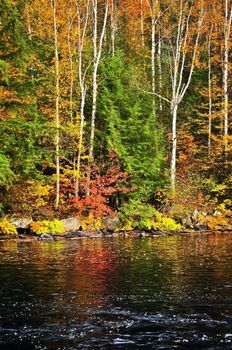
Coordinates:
[152,293]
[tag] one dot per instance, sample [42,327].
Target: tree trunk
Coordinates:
[97,57]
[57,75]
[113,27]
[78,167]
[174,109]
[153,54]
[71,70]
[142,24]
[179,87]
[82,78]
[227,27]
[160,71]
[94,109]
[209,94]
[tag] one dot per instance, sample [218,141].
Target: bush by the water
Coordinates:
[92,224]
[46,226]
[143,216]
[6,228]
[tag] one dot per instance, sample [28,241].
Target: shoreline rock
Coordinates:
[101,235]
[20,222]
[71,224]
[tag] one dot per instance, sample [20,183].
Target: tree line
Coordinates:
[106,103]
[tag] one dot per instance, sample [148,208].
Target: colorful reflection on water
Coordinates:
[155,293]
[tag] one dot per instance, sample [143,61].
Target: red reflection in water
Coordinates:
[93,271]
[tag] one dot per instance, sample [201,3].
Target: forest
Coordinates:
[116,108]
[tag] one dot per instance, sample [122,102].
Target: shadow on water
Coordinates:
[156,293]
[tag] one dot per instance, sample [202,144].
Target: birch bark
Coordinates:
[97,57]
[71,19]
[177,67]
[57,117]
[142,24]
[209,91]
[113,26]
[160,69]
[82,84]
[227,29]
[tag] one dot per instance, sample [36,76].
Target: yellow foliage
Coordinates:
[39,192]
[127,226]
[6,228]
[92,224]
[166,224]
[219,188]
[223,206]
[69,171]
[72,129]
[46,226]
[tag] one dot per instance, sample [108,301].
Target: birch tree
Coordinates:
[181,61]
[82,72]
[97,51]
[227,7]
[180,67]
[142,24]
[156,14]
[159,55]
[154,10]
[209,89]
[57,102]
[113,25]
[71,51]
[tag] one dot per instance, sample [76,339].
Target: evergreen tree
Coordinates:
[22,129]
[131,130]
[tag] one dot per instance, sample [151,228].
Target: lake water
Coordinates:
[152,293]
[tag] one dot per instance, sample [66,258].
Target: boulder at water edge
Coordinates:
[111,223]
[46,237]
[20,222]
[71,224]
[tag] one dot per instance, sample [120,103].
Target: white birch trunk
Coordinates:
[78,167]
[30,37]
[113,27]
[227,28]
[153,23]
[82,78]
[142,24]
[209,93]
[179,87]
[70,25]
[174,109]
[155,13]
[160,71]
[97,57]
[57,77]
[95,69]
[179,68]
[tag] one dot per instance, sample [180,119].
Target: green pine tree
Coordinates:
[131,129]
[22,128]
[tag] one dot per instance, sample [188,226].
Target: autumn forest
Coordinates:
[117,108]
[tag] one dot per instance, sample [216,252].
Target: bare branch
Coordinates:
[184,89]
[152,93]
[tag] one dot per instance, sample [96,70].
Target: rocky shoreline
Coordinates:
[73,228]
[24,237]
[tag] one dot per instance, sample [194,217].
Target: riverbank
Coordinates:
[100,235]
[26,229]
